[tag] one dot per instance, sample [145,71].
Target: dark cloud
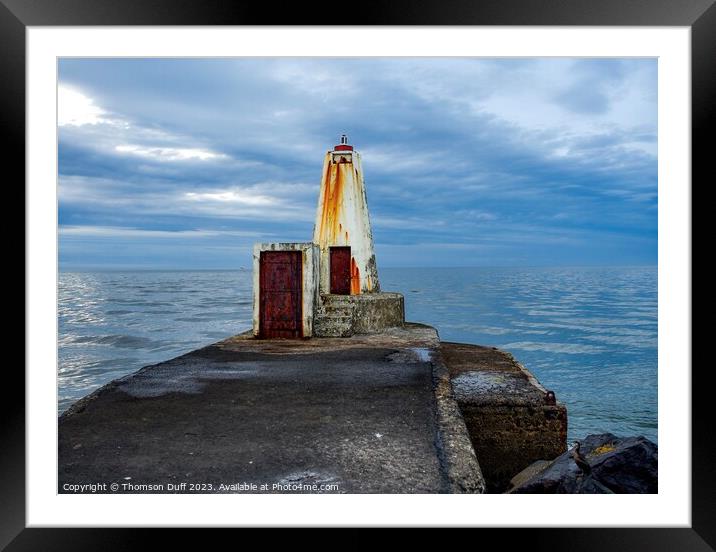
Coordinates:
[507,157]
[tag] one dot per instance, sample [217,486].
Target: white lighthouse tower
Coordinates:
[342,230]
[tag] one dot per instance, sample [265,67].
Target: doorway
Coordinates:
[280,284]
[340,270]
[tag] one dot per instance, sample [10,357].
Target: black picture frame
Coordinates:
[699,15]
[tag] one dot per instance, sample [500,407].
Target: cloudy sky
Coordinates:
[185,163]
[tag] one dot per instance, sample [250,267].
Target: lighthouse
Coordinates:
[342,230]
[327,287]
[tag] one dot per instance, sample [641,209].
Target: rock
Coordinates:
[619,465]
[529,472]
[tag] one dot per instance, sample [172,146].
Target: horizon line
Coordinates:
[246,269]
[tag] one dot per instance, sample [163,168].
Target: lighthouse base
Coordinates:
[347,315]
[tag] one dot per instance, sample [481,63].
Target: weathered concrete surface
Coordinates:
[512,420]
[368,313]
[359,413]
[373,312]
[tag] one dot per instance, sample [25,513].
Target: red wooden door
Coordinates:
[280,294]
[341,270]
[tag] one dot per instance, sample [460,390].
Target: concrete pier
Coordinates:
[364,414]
[392,412]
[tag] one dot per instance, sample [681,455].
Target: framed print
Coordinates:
[535,161]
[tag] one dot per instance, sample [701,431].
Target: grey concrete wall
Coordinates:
[509,438]
[512,419]
[310,275]
[376,311]
[368,313]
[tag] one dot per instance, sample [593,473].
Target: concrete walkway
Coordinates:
[366,414]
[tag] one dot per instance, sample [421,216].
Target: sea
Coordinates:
[587,333]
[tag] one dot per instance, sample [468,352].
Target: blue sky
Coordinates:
[185,163]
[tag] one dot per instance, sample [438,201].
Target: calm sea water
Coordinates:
[589,334]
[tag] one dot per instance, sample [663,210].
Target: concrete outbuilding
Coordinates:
[285,289]
[328,287]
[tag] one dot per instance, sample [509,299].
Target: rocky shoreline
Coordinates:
[616,465]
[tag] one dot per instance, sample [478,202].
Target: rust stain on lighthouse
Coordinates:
[332,201]
[355,277]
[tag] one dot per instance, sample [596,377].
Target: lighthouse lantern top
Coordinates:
[343,146]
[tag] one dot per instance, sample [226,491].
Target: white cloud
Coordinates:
[560,152]
[247,203]
[125,232]
[169,154]
[265,201]
[538,96]
[76,109]
[232,196]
